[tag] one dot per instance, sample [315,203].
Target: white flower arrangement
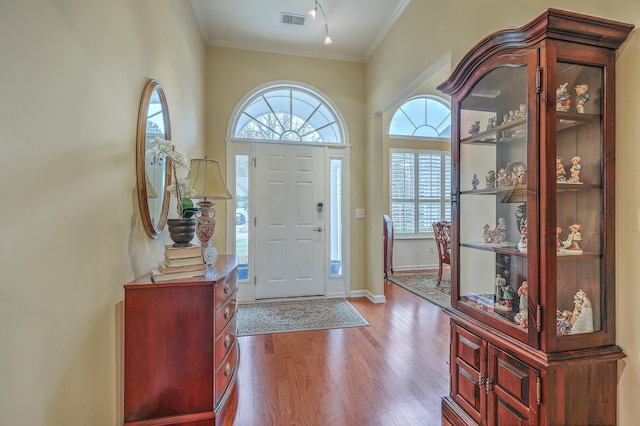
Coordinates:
[181,187]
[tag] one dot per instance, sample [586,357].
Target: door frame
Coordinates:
[335,286]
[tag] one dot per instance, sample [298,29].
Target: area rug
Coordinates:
[424,285]
[300,315]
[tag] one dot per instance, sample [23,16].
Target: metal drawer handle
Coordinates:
[227,369]
[227,341]
[227,289]
[227,313]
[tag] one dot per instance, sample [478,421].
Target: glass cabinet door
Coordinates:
[579,199]
[493,181]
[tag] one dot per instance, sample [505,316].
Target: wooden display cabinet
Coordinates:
[181,352]
[533,283]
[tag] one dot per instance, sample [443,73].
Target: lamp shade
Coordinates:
[207,181]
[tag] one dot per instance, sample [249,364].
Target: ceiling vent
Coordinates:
[288,18]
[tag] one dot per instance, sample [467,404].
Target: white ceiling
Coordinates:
[356,26]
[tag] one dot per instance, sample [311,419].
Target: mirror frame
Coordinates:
[141,148]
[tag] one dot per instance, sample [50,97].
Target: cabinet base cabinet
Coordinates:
[510,384]
[180,349]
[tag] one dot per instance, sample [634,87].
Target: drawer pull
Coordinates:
[227,313]
[227,341]
[227,369]
[227,289]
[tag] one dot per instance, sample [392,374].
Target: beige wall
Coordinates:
[232,74]
[70,83]
[423,34]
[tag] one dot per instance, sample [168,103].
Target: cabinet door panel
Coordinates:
[514,384]
[467,371]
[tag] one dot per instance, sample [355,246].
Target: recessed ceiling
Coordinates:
[355,26]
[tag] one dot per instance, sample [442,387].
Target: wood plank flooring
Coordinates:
[393,372]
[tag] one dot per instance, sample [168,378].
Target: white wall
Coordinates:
[71,79]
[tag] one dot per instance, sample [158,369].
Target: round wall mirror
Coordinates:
[152,172]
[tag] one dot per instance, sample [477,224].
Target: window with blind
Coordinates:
[420,189]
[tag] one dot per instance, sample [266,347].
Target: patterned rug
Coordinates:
[424,285]
[300,315]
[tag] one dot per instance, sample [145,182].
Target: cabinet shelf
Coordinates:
[568,120]
[493,136]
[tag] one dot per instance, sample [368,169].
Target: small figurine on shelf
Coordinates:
[519,175]
[491,123]
[499,232]
[475,182]
[522,317]
[475,128]
[582,318]
[523,294]
[581,97]
[504,302]
[491,179]
[576,166]
[512,115]
[575,238]
[504,178]
[561,173]
[521,112]
[559,246]
[522,244]
[505,118]
[487,237]
[563,98]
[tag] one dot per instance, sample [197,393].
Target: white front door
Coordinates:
[289,227]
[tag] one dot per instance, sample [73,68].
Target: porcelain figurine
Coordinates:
[523,294]
[504,178]
[519,174]
[475,182]
[491,123]
[521,112]
[504,302]
[522,244]
[582,318]
[561,172]
[563,98]
[576,166]
[581,97]
[475,128]
[491,179]
[487,237]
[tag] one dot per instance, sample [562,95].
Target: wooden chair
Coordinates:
[388,246]
[442,232]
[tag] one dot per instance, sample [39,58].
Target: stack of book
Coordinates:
[179,263]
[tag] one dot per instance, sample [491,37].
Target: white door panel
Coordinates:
[289,241]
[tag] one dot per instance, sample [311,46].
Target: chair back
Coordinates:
[442,233]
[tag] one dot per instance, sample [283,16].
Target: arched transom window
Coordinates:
[422,116]
[287,112]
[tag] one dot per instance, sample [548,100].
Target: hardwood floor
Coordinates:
[393,372]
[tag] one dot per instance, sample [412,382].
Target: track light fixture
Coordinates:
[313,13]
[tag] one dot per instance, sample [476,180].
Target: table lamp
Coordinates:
[206,177]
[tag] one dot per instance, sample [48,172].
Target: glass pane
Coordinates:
[579,199]
[403,216]
[493,186]
[242,215]
[402,175]
[336,217]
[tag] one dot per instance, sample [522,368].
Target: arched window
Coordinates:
[422,116]
[288,112]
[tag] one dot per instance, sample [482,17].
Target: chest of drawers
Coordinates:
[181,353]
